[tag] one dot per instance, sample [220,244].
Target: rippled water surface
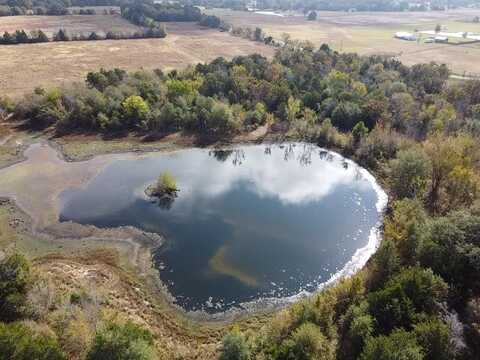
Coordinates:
[251,223]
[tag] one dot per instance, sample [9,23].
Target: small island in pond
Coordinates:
[164,190]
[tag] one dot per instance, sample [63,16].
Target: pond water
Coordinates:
[258,222]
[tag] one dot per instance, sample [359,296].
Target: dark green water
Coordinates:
[254,223]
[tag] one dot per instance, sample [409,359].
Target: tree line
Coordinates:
[36,7]
[342,5]
[38,36]
[51,7]
[145,13]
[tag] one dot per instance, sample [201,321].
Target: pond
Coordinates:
[249,224]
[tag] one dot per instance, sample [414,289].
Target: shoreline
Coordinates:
[138,239]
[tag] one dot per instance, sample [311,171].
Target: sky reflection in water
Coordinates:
[249,223]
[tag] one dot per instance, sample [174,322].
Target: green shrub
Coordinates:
[122,342]
[411,292]
[360,327]
[434,337]
[400,345]
[19,342]
[409,173]
[75,298]
[15,280]
[235,347]
[307,343]
[166,183]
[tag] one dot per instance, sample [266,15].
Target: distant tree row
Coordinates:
[51,7]
[144,13]
[12,11]
[256,34]
[83,12]
[36,7]
[341,5]
[21,37]
[211,21]
[38,36]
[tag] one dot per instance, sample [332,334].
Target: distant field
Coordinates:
[24,67]
[74,24]
[372,33]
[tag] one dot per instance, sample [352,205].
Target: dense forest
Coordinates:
[419,296]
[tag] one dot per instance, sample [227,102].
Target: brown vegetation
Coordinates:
[51,64]
[74,24]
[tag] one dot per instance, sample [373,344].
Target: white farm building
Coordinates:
[406,36]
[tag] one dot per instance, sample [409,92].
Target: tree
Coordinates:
[61,35]
[451,159]
[386,263]
[122,342]
[20,342]
[405,227]
[398,345]
[258,34]
[360,325]
[409,173]
[41,37]
[359,132]
[166,183]
[15,280]
[235,347]
[184,87]
[346,115]
[461,187]
[21,37]
[8,38]
[428,78]
[412,292]
[307,343]
[312,15]
[292,109]
[476,19]
[438,28]
[135,108]
[451,249]
[93,36]
[433,336]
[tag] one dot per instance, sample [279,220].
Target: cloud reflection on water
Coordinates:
[297,175]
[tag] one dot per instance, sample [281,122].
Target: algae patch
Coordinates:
[220,264]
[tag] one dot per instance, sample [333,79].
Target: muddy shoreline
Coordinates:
[142,243]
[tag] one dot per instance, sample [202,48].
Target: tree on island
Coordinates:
[164,190]
[312,15]
[166,184]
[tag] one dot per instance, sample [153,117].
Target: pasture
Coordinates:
[372,33]
[74,24]
[24,67]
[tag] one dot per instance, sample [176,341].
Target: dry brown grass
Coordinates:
[372,33]
[24,67]
[74,24]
